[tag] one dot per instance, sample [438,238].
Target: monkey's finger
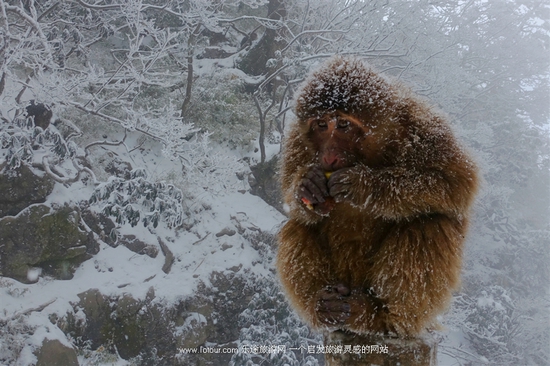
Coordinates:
[333,317]
[339,184]
[339,175]
[339,290]
[331,306]
[324,295]
[317,195]
[316,173]
[342,289]
[306,196]
[317,177]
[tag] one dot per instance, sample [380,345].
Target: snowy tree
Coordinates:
[49,50]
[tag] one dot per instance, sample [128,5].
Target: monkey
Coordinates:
[40,113]
[378,192]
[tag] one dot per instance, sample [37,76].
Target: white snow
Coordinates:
[115,271]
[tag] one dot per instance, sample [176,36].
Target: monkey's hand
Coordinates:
[338,306]
[333,307]
[340,183]
[313,192]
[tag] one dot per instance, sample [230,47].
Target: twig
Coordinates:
[116,120]
[28,311]
[105,142]
[198,241]
[199,264]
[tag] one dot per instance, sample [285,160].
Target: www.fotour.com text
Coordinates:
[242,349]
[318,349]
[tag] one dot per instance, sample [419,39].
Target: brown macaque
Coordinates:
[378,192]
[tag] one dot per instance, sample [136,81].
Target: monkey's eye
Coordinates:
[343,123]
[322,123]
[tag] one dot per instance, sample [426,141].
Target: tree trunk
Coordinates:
[2,83]
[189,86]
[254,62]
[190,55]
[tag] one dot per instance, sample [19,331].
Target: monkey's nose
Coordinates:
[330,161]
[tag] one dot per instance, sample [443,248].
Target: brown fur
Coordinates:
[389,249]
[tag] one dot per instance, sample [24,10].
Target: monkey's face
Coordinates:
[338,140]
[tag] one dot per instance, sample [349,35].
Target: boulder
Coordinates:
[143,330]
[99,223]
[20,188]
[55,353]
[138,246]
[44,238]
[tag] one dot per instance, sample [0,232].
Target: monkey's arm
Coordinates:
[443,183]
[303,269]
[303,185]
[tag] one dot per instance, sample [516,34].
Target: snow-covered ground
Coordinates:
[218,215]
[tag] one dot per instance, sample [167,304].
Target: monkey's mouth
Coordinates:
[336,165]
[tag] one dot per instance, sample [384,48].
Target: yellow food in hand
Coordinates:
[308,203]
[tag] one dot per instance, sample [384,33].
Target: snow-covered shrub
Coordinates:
[21,141]
[270,328]
[497,326]
[138,199]
[492,317]
[13,337]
